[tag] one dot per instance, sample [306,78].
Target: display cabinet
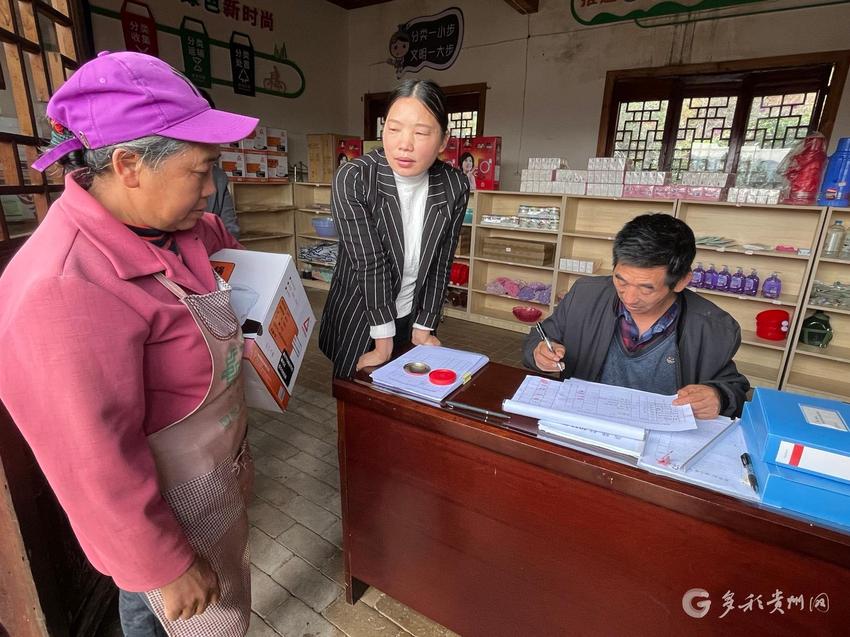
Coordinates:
[314,233]
[811,369]
[265,214]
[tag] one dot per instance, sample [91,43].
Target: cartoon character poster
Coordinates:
[432,41]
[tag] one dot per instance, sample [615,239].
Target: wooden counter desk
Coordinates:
[491,531]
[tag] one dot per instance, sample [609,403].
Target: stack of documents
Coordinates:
[709,456]
[604,416]
[394,378]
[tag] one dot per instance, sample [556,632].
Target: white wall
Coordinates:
[316,35]
[546,72]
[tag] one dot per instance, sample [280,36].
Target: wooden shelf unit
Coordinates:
[312,201]
[265,212]
[822,371]
[587,229]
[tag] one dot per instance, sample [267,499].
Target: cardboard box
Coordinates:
[272,306]
[322,156]
[371,144]
[452,152]
[257,140]
[276,140]
[278,166]
[232,162]
[518,251]
[256,166]
[486,153]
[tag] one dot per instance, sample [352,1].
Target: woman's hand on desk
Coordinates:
[378,356]
[703,399]
[423,337]
[547,361]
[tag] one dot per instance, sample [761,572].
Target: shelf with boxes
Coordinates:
[316,239]
[516,247]
[266,215]
[819,361]
[753,232]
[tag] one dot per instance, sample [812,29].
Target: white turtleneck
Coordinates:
[412,197]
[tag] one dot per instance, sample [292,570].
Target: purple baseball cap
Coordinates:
[122,96]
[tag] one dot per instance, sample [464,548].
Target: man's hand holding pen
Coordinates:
[549,361]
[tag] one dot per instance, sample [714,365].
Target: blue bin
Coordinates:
[324,226]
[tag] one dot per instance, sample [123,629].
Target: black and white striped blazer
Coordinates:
[367,277]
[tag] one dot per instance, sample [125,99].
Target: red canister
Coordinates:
[772,324]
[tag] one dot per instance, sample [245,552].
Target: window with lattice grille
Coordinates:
[739,120]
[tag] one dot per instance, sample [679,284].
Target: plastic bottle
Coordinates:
[772,286]
[835,189]
[736,282]
[697,276]
[710,281]
[723,279]
[751,283]
[834,239]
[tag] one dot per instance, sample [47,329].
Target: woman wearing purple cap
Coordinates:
[121,354]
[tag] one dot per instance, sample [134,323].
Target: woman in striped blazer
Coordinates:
[398,212]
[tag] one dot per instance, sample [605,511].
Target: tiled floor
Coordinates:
[296,534]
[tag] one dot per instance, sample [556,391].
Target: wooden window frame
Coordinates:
[747,79]
[472,96]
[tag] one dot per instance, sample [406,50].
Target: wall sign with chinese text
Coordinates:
[432,41]
[140,34]
[196,51]
[242,64]
[139,28]
[590,12]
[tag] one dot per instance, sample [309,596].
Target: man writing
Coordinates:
[642,328]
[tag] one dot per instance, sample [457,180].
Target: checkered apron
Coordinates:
[205,472]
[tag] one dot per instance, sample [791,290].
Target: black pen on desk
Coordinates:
[748,465]
[549,344]
[475,410]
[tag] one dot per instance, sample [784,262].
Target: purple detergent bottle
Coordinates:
[751,283]
[697,276]
[723,279]
[772,286]
[736,282]
[710,280]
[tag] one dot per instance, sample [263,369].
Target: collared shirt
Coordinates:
[633,340]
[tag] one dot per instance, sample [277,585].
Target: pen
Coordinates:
[549,344]
[748,465]
[475,410]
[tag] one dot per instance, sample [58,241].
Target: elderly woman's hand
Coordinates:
[192,592]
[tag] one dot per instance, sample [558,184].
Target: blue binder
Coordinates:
[801,433]
[809,495]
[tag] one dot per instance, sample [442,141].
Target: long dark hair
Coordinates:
[427,92]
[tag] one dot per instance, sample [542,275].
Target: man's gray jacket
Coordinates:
[585,321]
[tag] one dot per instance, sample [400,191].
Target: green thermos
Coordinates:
[816,330]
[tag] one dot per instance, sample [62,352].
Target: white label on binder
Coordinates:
[823,417]
[817,460]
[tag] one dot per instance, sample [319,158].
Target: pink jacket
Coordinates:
[96,354]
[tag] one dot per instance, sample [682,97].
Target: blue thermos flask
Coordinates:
[835,189]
